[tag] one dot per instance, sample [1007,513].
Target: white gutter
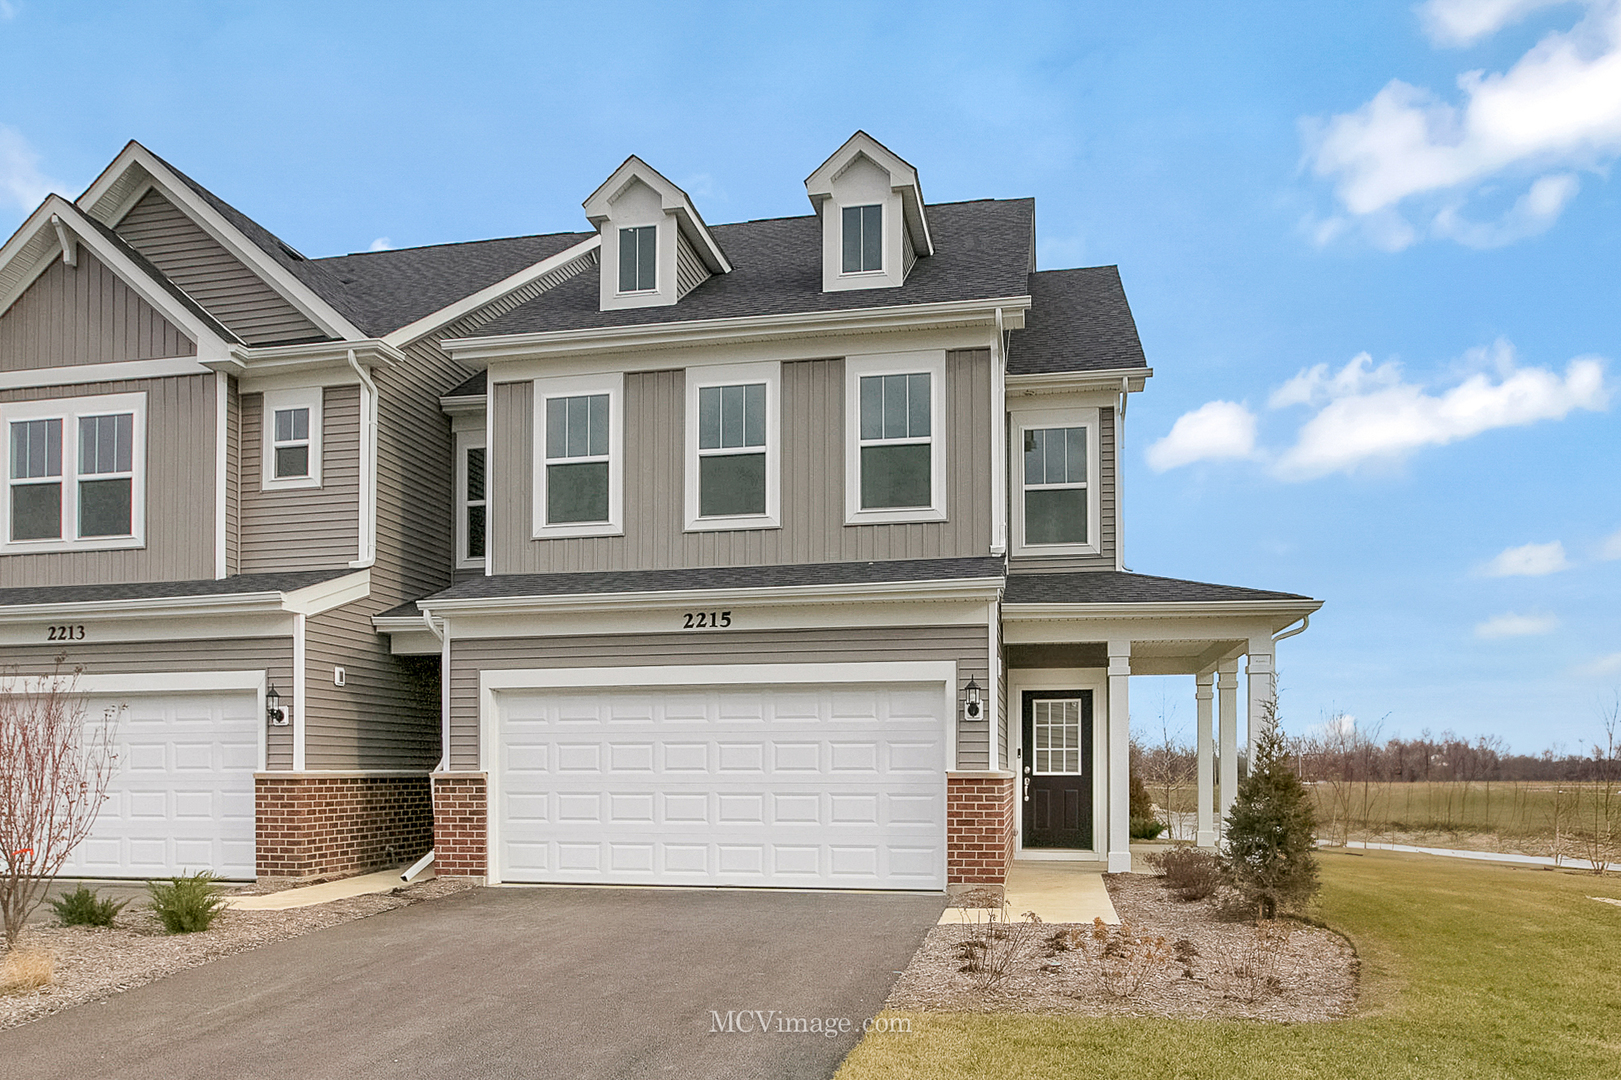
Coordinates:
[1305,621]
[367,527]
[1045,612]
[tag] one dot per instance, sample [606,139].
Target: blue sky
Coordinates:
[1371,248]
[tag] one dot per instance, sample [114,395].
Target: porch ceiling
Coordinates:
[1167,657]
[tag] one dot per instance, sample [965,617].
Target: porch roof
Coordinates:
[1123,587]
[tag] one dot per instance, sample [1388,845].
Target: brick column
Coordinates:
[979,827]
[460,824]
[311,825]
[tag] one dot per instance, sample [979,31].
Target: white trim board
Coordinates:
[119,371]
[1095,680]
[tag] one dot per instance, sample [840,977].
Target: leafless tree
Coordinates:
[55,765]
[1604,830]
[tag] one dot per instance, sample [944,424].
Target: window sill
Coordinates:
[303,483]
[1037,550]
[51,547]
[568,532]
[904,516]
[757,522]
[470,564]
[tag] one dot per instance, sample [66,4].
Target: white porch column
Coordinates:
[1119,758]
[1262,687]
[1227,718]
[1203,693]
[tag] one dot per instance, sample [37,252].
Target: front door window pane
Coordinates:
[1057,732]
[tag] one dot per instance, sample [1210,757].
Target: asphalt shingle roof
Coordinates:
[982,251]
[1078,320]
[1120,587]
[719,577]
[162,590]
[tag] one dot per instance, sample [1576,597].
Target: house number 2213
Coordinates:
[65,633]
[706,620]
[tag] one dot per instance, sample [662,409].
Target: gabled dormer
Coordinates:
[873,225]
[655,246]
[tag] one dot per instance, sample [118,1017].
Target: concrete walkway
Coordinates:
[342,889]
[1058,892]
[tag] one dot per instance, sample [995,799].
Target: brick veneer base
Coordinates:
[324,825]
[979,828]
[460,823]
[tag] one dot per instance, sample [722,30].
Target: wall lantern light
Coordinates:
[274,713]
[972,709]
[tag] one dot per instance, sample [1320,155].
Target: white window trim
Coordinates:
[732,375]
[304,397]
[658,271]
[612,384]
[932,361]
[68,410]
[1025,419]
[883,240]
[465,441]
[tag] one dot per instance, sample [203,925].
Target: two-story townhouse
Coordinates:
[790,555]
[221,460]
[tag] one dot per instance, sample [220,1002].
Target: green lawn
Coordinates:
[1469,970]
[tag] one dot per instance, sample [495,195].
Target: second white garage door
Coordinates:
[804,786]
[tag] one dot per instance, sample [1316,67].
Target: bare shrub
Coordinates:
[1248,970]
[1126,958]
[54,770]
[1190,874]
[1603,817]
[992,942]
[23,970]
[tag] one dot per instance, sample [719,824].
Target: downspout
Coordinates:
[1305,621]
[1120,476]
[367,527]
[442,632]
[999,440]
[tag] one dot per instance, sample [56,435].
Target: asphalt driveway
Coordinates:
[513,983]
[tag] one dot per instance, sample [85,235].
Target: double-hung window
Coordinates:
[578,456]
[732,475]
[292,438]
[75,473]
[472,503]
[1056,508]
[863,229]
[895,446]
[638,259]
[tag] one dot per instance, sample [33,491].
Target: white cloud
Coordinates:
[1217,429]
[382,243]
[1557,108]
[1505,626]
[1603,665]
[22,185]
[1464,22]
[1529,560]
[1611,548]
[1372,415]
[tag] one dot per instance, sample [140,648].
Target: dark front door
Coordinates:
[1057,769]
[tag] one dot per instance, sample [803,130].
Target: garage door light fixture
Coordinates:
[274,713]
[972,710]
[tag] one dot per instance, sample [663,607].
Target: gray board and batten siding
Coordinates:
[813,529]
[232,293]
[179,518]
[303,528]
[385,716]
[968,646]
[272,655]
[84,315]
[1108,515]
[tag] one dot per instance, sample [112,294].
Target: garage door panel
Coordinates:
[806,786]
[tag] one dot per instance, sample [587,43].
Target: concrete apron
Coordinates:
[1058,892]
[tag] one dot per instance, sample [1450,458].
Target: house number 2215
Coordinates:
[706,620]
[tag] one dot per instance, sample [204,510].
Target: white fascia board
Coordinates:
[317,310]
[326,595]
[322,362]
[407,636]
[120,371]
[151,607]
[480,352]
[980,589]
[1289,610]
[466,405]
[467,305]
[1072,382]
[209,344]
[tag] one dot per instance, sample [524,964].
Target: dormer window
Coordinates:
[638,259]
[863,239]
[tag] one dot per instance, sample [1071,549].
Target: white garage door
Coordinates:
[803,786]
[182,798]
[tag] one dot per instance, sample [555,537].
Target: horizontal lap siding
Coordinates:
[303,528]
[967,645]
[84,315]
[813,529]
[1108,512]
[211,275]
[386,716]
[180,459]
[274,656]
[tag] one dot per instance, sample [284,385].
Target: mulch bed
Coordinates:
[93,963]
[1190,961]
